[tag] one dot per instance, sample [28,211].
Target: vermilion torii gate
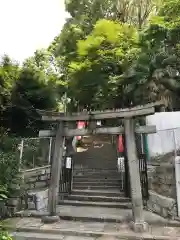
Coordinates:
[65,130]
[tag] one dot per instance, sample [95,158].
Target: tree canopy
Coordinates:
[24,89]
[109,54]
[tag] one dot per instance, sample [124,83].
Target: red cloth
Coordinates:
[120,144]
[80,125]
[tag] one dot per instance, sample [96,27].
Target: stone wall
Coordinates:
[30,193]
[36,178]
[164,206]
[35,188]
[162,180]
[162,188]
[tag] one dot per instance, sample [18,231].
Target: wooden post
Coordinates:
[136,195]
[55,175]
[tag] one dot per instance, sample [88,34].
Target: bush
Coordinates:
[5,236]
[9,169]
[3,193]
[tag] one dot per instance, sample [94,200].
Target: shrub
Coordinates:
[9,169]
[3,193]
[5,236]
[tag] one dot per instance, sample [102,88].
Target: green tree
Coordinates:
[37,84]
[157,69]
[84,16]
[9,73]
[95,77]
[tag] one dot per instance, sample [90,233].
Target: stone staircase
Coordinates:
[99,188]
[96,181]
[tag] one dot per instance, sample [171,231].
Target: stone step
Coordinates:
[97,179]
[100,183]
[109,192]
[107,159]
[96,158]
[97,198]
[95,187]
[122,205]
[105,179]
[98,166]
[97,175]
[101,170]
[104,214]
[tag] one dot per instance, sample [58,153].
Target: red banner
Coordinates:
[120,144]
[80,125]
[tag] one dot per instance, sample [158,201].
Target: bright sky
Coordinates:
[26,25]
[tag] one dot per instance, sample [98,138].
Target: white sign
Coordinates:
[68,162]
[121,166]
[98,123]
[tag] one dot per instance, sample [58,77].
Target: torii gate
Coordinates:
[65,130]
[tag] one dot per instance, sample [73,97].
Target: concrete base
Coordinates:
[50,219]
[139,227]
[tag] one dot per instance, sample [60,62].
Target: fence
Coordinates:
[35,152]
[164,144]
[29,152]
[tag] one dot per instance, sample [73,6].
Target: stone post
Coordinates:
[55,175]
[177,174]
[136,196]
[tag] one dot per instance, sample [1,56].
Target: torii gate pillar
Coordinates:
[55,175]
[138,224]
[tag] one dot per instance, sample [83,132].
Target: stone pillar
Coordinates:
[136,196]
[55,175]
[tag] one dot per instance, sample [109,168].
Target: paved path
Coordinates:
[33,228]
[100,214]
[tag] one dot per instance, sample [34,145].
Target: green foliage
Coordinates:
[5,236]
[24,89]
[133,12]
[3,193]
[158,67]
[9,169]
[9,164]
[83,66]
[102,58]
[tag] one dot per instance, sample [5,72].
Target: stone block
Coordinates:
[30,180]
[40,184]
[156,208]
[161,200]
[43,204]
[42,194]
[30,186]
[11,211]
[43,177]
[23,203]
[162,205]
[50,219]
[149,205]
[31,206]
[13,201]
[164,212]
[48,170]
[139,227]
[40,198]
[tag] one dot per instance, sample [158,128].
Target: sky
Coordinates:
[27,25]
